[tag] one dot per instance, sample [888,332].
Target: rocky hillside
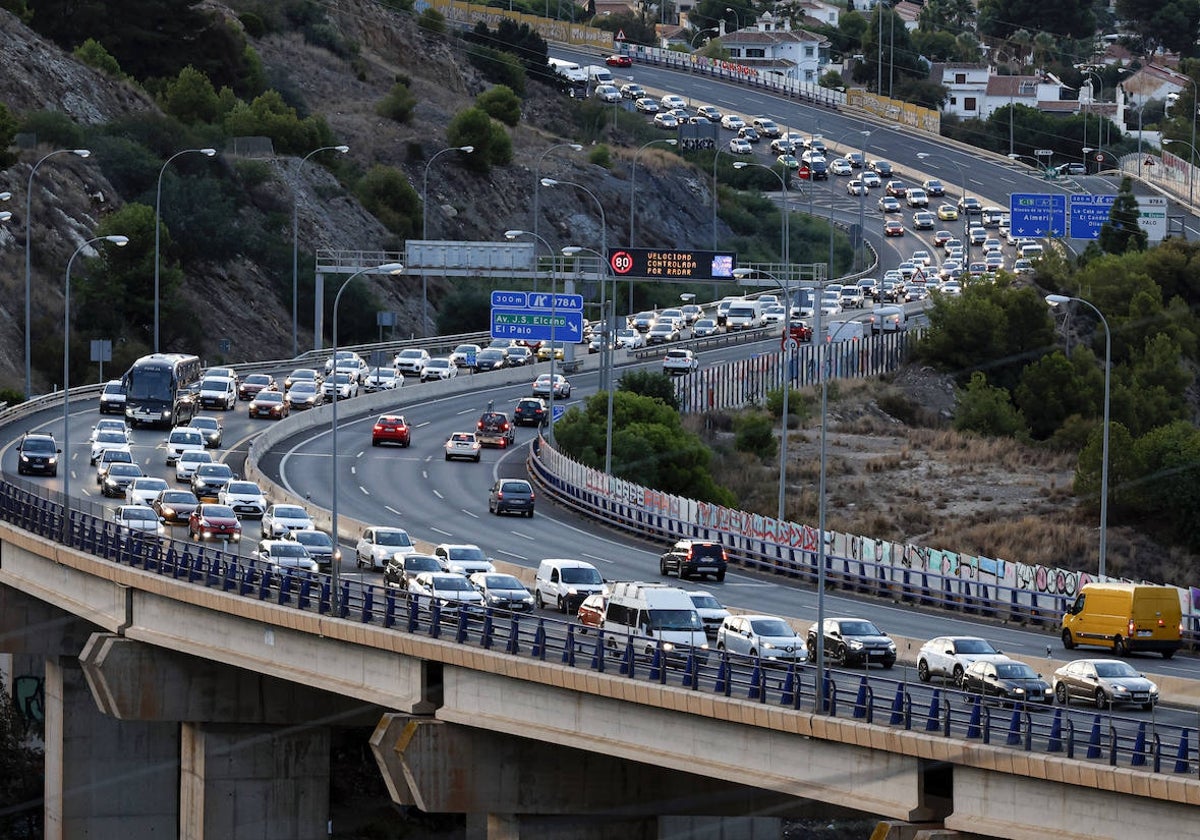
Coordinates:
[70,195]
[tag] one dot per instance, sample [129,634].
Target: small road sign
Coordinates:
[559,411]
[559,302]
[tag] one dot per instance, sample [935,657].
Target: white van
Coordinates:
[745,315]
[569,70]
[599,74]
[886,319]
[563,584]
[649,613]
[840,331]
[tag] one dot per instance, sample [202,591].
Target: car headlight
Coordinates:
[1153,688]
[1018,691]
[855,645]
[571,590]
[768,646]
[1120,689]
[668,646]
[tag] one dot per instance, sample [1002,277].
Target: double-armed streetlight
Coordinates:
[158,225]
[83,153]
[296,247]
[1059,300]
[966,215]
[606,347]
[425,227]
[120,242]
[514,234]
[389,269]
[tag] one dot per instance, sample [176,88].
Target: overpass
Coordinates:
[187,692]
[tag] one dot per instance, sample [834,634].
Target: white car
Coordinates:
[678,362]
[464,355]
[439,369]
[379,544]
[462,445]
[186,463]
[342,384]
[776,313]
[646,105]
[630,339]
[344,359]
[840,166]
[607,93]
[855,186]
[765,636]
[144,490]
[107,425]
[951,288]
[245,497]
[733,122]
[463,559]
[279,519]
[217,392]
[562,388]
[740,146]
[871,180]
[183,439]
[853,297]
[710,610]
[285,556]
[950,656]
[108,440]
[671,101]
[666,120]
[705,327]
[139,519]
[411,361]
[450,592]
[381,379]
[922,256]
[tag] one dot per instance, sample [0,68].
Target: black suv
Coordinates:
[38,454]
[694,558]
[511,495]
[853,641]
[531,411]
[494,429]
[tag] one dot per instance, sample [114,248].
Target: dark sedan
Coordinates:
[531,411]
[249,387]
[269,404]
[491,358]
[174,507]
[208,480]
[1008,682]
[853,641]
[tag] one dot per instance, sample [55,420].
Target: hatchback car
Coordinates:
[208,479]
[214,522]
[183,439]
[270,404]
[619,60]
[464,355]
[451,592]
[893,227]
[531,411]
[245,497]
[303,395]
[511,495]
[210,427]
[309,375]
[391,428]
[319,544]
[561,389]
[463,558]
[1104,683]
[853,641]
[277,520]
[108,440]
[1007,681]
[185,466]
[501,591]
[143,490]
[632,90]
[740,146]
[462,445]
[888,204]
[117,478]
[138,519]
[666,120]
[494,429]
[591,612]
[439,369]
[950,656]
[401,569]
[733,122]
[175,506]
[378,543]
[283,556]
[765,636]
[712,614]
[646,105]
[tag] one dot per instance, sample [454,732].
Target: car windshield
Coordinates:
[111,455]
[219,512]
[1015,671]
[410,354]
[190,436]
[111,437]
[675,620]
[220,384]
[155,484]
[285,549]
[451,584]
[258,379]
[303,373]
[312,538]
[304,388]
[438,363]
[467,552]
[139,514]
[290,512]
[776,627]
[175,497]
[218,470]
[114,388]
[399,538]
[490,354]
[706,602]
[580,574]
[269,396]
[1116,669]
[205,423]
[462,437]
[973,646]
[124,469]
[244,487]
[502,582]
[859,628]
[515,487]
[421,563]
[195,458]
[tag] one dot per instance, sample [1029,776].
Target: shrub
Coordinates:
[600,156]
[755,433]
[473,127]
[398,105]
[386,193]
[498,66]
[501,103]
[92,53]
[986,409]
[252,24]
[649,383]
[191,98]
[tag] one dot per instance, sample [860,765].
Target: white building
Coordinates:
[976,92]
[772,46]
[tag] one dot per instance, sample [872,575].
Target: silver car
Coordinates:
[1104,683]
[765,636]
[950,656]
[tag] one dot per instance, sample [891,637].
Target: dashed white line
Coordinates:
[438,494]
[391,509]
[514,555]
[596,557]
[522,536]
[470,514]
[353,469]
[440,531]
[366,492]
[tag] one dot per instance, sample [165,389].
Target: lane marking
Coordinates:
[438,493]
[440,531]
[596,557]
[366,492]
[469,513]
[391,509]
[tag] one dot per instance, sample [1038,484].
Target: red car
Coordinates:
[249,387]
[591,611]
[269,404]
[893,228]
[391,428]
[214,522]
[800,330]
[619,61]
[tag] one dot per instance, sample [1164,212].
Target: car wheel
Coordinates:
[530,514]
[662,568]
[958,675]
[476,459]
[1067,641]
[447,456]
[537,599]
[1101,699]
[374,442]
[1061,695]
[1119,647]
[358,561]
[562,605]
[840,655]
[720,577]
[1167,654]
[923,671]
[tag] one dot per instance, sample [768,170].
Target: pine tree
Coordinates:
[1121,232]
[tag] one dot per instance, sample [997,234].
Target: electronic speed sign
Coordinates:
[657,264]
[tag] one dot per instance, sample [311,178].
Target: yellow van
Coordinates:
[1125,617]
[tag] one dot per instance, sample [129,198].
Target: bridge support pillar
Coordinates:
[270,783]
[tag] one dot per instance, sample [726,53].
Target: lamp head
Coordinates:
[571,250]
[549,182]
[342,149]
[467,149]
[391,268]
[513,234]
[207,152]
[740,164]
[83,153]
[5,216]
[741,273]
[1057,300]
[5,196]
[118,240]
[575,147]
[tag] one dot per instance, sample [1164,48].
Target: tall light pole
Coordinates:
[513,234]
[120,242]
[570,251]
[386,268]
[537,179]
[1091,72]
[425,228]
[785,235]
[736,17]
[296,248]
[701,32]
[716,157]
[83,153]
[158,226]
[862,204]
[1058,300]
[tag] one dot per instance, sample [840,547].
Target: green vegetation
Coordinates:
[387,195]
[92,53]
[473,127]
[398,105]
[501,103]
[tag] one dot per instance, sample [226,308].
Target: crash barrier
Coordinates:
[867,693]
[923,577]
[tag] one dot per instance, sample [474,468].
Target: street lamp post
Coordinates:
[513,234]
[158,225]
[785,235]
[386,268]
[296,249]
[537,181]
[83,153]
[701,32]
[425,228]
[736,17]
[605,346]
[120,242]
[1058,300]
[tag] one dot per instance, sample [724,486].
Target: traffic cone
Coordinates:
[722,685]
[539,640]
[1182,756]
[860,701]
[756,681]
[897,717]
[788,696]
[514,637]
[933,722]
[568,654]
[627,664]
[656,664]
[1014,727]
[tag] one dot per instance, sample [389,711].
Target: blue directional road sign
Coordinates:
[560,302]
[536,325]
[559,411]
[1038,214]
[1088,215]
[508,300]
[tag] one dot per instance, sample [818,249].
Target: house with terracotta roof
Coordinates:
[772,46]
[908,12]
[976,92]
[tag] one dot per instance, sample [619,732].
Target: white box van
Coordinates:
[564,584]
[885,319]
[599,74]
[744,315]
[649,613]
[569,70]
[840,331]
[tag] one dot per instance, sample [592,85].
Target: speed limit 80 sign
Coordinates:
[657,264]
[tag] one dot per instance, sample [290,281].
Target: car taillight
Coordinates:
[378,428]
[1131,627]
[500,494]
